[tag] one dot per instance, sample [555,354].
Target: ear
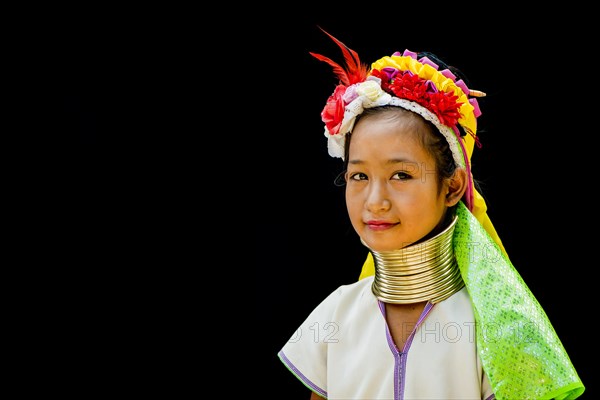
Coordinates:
[457,185]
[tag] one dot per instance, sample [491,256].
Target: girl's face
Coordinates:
[392,190]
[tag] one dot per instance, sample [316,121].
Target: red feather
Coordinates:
[353,72]
[337,68]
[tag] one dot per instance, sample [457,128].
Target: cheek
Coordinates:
[354,205]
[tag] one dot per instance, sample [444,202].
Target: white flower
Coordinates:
[370,89]
[359,96]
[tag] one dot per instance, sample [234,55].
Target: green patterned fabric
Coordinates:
[520,351]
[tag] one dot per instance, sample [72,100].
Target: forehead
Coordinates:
[385,139]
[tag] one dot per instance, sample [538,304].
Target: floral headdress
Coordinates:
[404,81]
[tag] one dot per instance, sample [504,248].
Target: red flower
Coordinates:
[333,112]
[445,106]
[409,87]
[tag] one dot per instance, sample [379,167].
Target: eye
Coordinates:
[358,176]
[401,176]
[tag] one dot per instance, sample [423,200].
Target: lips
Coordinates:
[380,225]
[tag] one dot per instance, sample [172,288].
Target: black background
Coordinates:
[198,133]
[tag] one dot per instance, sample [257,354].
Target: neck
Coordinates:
[426,271]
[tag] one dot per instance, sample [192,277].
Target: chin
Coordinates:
[379,245]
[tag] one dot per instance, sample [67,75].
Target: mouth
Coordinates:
[380,226]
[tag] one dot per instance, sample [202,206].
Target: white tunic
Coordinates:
[344,350]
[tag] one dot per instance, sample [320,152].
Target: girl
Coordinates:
[439,312]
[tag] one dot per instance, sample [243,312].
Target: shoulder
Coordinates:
[352,301]
[358,290]
[457,307]
[348,296]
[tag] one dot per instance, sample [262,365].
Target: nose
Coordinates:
[377,197]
